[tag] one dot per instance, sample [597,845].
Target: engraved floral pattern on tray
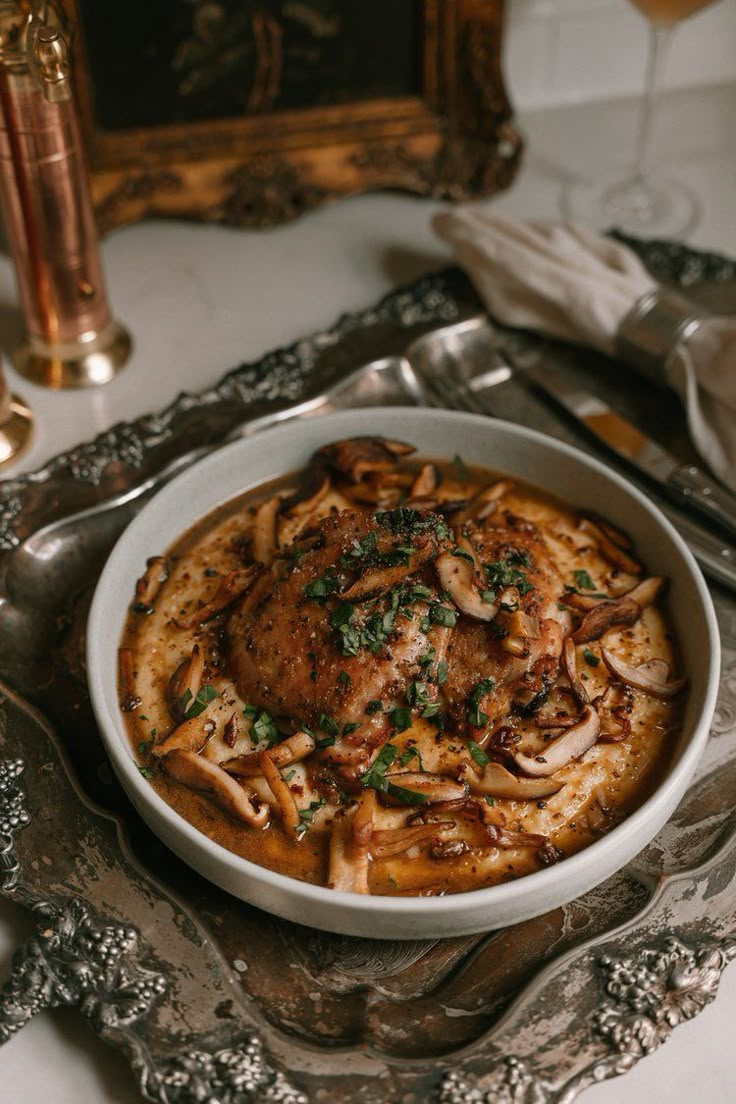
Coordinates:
[207,1000]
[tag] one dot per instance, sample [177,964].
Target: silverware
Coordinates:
[716,558]
[686,484]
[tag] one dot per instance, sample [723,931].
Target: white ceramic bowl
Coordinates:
[498,445]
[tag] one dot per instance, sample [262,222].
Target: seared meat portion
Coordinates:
[511,659]
[334,634]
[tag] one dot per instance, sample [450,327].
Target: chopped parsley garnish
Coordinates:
[411,753]
[583,579]
[327,724]
[344,679]
[506,573]
[352,727]
[375,778]
[475,715]
[375,705]
[250,712]
[419,698]
[478,754]
[405,521]
[146,772]
[192,708]
[323,587]
[427,659]
[590,657]
[401,718]
[306,816]
[461,468]
[442,615]
[264,729]
[461,554]
[145,747]
[288,777]
[442,669]
[488,596]
[360,549]
[490,801]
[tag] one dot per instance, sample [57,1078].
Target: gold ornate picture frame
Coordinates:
[252,113]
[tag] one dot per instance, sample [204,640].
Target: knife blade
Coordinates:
[685,484]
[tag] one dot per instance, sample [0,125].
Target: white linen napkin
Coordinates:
[568,282]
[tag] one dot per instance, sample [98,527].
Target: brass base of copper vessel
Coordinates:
[94,360]
[16,432]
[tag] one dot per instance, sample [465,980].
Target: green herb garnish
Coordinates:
[442,615]
[401,718]
[583,579]
[375,705]
[411,753]
[323,587]
[475,715]
[590,657]
[192,708]
[375,778]
[306,816]
[478,754]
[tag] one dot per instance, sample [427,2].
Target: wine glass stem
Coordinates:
[660,38]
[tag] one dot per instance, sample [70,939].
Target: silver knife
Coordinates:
[685,484]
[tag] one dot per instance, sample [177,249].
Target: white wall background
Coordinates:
[567,51]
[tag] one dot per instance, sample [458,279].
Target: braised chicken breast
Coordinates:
[388,675]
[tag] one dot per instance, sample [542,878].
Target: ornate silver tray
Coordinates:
[213,1001]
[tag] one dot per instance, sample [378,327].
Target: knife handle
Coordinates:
[716,558]
[703,494]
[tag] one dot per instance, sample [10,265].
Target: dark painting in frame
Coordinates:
[252,111]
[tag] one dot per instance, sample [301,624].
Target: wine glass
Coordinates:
[642,202]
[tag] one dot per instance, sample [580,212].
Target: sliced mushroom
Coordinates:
[622,611]
[610,551]
[496,781]
[361,827]
[648,590]
[231,731]
[150,583]
[392,841]
[129,700]
[505,838]
[485,503]
[264,531]
[348,870]
[300,509]
[191,735]
[356,457]
[456,577]
[432,787]
[425,483]
[570,745]
[653,677]
[570,658]
[184,684]
[520,628]
[282,794]
[206,777]
[232,587]
[291,750]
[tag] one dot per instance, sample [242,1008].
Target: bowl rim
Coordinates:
[519,890]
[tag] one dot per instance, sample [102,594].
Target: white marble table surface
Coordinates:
[201,299]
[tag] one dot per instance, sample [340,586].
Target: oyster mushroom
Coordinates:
[282,794]
[349,847]
[609,549]
[300,509]
[393,841]
[150,583]
[129,700]
[653,677]
[191,735]
[572,744]
[485,503]
[233,586]
[457,574]
[426,482]
[184,684]
[570,659]
[356,457]
[496,781]
[377,580]
[431,787]
[291,750]
[206,777]
[606,615]
[264,531]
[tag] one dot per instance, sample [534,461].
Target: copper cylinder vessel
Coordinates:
[72,338]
